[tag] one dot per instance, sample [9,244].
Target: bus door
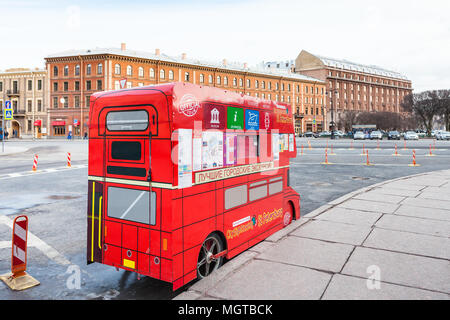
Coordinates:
[130,202]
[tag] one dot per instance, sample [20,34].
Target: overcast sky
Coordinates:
[411,37]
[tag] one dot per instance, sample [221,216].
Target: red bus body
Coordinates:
[152,202]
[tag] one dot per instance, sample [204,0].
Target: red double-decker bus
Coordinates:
[182,177]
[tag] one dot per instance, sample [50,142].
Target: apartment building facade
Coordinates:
[356,87]
[74,75]
[26,89]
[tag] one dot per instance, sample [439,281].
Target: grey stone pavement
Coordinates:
[387,241]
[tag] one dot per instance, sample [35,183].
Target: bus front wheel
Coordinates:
[288,215]
[206,263]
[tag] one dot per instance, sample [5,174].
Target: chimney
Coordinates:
[183,56]
[123,46]
[224,62]
[157,52]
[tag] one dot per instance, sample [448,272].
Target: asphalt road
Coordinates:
[54,198]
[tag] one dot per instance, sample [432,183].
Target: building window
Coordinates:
[282,87]
[66,102]
[77,101]
[256,84]
[162,74]
[88,101]
[141,72]
[39,84]
[55,86]
[99,85]
[170,74]
[269,85]
[55,102]
[225,81]
[66,70]
[186,76]
[234,82]
[248,83]
[117,69]
[39,105]
[55,71]
[263,84]
[29,105]
[30,85]
[116,85]
[152,73]
[77,70]
[77,85]
[66,86]
[100,68]
[210,79]
[129,71]
[88,85]
[88,69]
[202,78]
[218,80]
[277,86]
[241,83]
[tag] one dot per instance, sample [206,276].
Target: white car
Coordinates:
[443,135]
[376,135]
[359,135]
[411,135]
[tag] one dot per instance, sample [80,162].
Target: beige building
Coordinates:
[25,88]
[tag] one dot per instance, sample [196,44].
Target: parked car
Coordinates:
[359,135]
[310,134]
[393,135]
[324,134]
[339,134]
[411,135]
[443,135]
[376,135]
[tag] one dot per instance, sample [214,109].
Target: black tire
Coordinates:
[212,245]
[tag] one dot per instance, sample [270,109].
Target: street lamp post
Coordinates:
[332,124]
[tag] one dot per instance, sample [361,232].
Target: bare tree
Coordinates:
[425,105]
[444,107]
[347,119]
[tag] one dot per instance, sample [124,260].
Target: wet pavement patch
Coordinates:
[64,197]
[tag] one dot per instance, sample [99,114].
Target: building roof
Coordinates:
[232,66]
[22,70]
[348,65]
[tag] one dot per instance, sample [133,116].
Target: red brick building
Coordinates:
[74,75]
[353,86]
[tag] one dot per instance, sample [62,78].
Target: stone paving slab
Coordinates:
[415,225]
[399,268]
[396,192]
[310,253]
[432,181]
[344,287]
[374,196]
[265,280]
[405,185]
[409,243]
[419,212]
[440,195]
[372,206]
[427,203]
[342,233]
[349,216]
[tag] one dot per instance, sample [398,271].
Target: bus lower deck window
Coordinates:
[235,197]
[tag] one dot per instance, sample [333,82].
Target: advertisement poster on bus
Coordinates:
[184,158]
[276,146]
[230,149]
[212,150]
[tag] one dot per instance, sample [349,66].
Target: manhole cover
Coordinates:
[56,197]
[360,178]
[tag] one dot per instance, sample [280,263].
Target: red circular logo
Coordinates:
[188,105]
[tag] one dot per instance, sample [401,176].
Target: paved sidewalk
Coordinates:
[397,232]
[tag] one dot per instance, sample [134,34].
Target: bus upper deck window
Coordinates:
[134,120]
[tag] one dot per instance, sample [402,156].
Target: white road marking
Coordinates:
[34,241]
[50,170]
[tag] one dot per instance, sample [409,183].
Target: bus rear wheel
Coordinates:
[206,263]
